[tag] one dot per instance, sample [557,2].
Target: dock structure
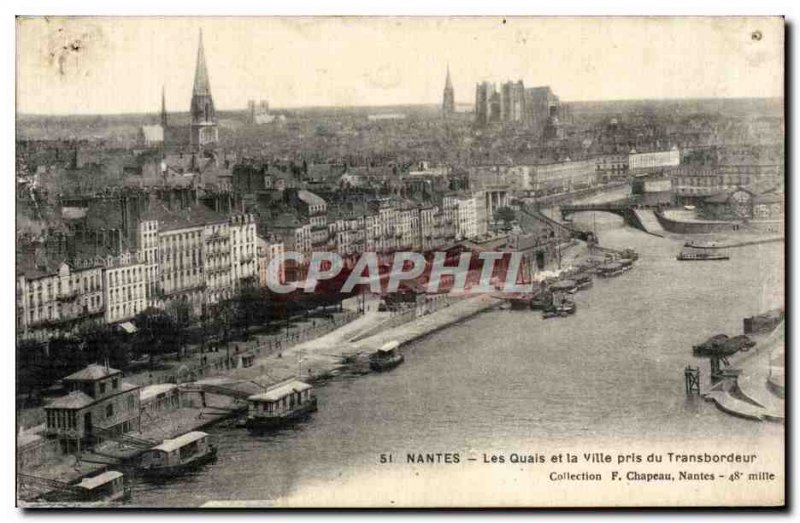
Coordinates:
[692,380]
[636,213]
[426,325]
[750,393]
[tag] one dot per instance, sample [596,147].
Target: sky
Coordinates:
[119,65]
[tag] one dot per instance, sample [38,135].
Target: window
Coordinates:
[102,388]
[115,383]
[109,410]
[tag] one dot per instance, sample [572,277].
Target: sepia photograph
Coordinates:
[438,262]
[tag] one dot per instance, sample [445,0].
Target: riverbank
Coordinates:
[204,401]
[731,245]
[752,393]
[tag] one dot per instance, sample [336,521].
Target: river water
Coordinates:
[510,380]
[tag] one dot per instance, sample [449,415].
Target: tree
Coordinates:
[181,314]
[101,342]
[246,307]
[156,332]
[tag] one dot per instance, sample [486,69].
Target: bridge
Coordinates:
[635,213]
[571,231]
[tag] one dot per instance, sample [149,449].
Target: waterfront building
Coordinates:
[270,249]
[768,206]
[313,209]
[466,223]
[182,240]
[53,297]
[692,182]
[148,248]
[99,405]
[563,177]
[611,166]
[124,286]
[429,232]
[448,97]
[653,160]
[244,266]
[742,204]
[202,256]
[203,131]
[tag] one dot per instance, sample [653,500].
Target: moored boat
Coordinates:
[584,281]
[280,405]
[108,487]
[386,358]
[609,270]
[625,263]
[178,455]
[701,256]
[569,286]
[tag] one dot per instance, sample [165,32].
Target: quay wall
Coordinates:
[704,227]
[685,227]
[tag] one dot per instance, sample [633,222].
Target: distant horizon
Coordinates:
[119,65]
[395,105]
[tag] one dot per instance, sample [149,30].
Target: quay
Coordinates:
[756,389]
[711,246]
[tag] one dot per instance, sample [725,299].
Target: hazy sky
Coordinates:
[116,65]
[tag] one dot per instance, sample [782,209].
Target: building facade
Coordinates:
[654,160]
[124,284]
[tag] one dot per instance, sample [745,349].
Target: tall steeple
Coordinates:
[201,84]
[164,122]
[204,119]
[448,97]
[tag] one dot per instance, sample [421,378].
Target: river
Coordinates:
[510,380]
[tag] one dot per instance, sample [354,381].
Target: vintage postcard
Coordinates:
[400,262]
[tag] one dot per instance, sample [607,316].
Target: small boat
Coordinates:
[626,263]
[630,254]
[280,405]
[569,286]
[386,358]
[178,455]
[553,314]
[700,244]
[584,281]
[566,307]
[701,256]
[541,300]
[609,270]
[107,487]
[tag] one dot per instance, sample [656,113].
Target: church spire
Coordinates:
[448,97]
[163,109]
[204,118]
[202,86]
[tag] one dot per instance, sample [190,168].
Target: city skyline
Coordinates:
[115,66]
